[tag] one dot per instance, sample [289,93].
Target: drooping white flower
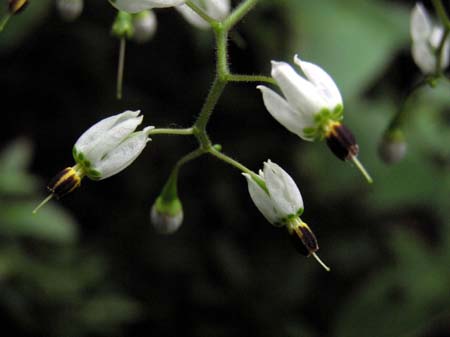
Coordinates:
[426,37]
[278,198]
[135,6]
[110,145]
[305,99]
[216,9]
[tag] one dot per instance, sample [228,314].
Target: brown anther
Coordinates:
[341,141]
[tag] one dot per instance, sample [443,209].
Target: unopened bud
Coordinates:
[144,24]
[69,10]
[166,215]
[392,147]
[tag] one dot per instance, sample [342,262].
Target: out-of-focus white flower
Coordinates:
[216,9]
[136,6]
[278,198]
[167,215]
[426,37]
[70,10]
[309,104]
[144,24]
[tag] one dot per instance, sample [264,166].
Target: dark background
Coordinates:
[92,265]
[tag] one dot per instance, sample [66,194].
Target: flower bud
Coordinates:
[16,6]
[392,147]
[166,215]
[144,24]
[69,10]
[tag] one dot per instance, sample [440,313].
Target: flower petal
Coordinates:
[283,191]
[218,9]
[280,110]
[421,24]
[192,17]
[122,155]
[301,94]
[262,201]
[135,6]
[88,139]
[423,57]
[109,140]
[323,82]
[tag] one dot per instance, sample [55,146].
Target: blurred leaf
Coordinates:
[353,40]
[400,298]
[24,23]
[14,161]
[50,223]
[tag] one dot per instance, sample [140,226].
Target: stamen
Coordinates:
[42,203]
[320,261]
[361,168]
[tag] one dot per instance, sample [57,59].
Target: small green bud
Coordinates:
[392,147]
[123,25]
[166,215]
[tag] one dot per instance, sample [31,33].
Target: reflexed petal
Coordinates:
[301,94]
[280,110]
[262,201]
[122,155]
[284,193]
[421,24]
[87,140]
[112,138]
[323,82]
[423,57]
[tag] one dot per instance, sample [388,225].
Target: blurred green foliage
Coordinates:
[226,272]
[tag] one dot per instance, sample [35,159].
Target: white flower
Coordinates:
[425,40]
[111,145]
[280,199]
[135,6]
[144,24]
[304,98]
[216,9]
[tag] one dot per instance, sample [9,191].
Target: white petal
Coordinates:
[292,120]
[192,17]
[322,81]
[301,94]
[145,25]
[112,138]
[424,57]
[262,201]
[421,24]
[135,6]
[218,9]
[283,191]
[435,39]
[87,140]
[122,155]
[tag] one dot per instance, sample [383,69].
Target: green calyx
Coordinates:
[321,122]
[123,25]
[171,207]
[85,166]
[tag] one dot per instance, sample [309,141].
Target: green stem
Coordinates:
[169,131]
[4,20]
[200,12]
[232,162]
[250,78]
[440,10]
[238,13]
[120,67]
[439,52]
